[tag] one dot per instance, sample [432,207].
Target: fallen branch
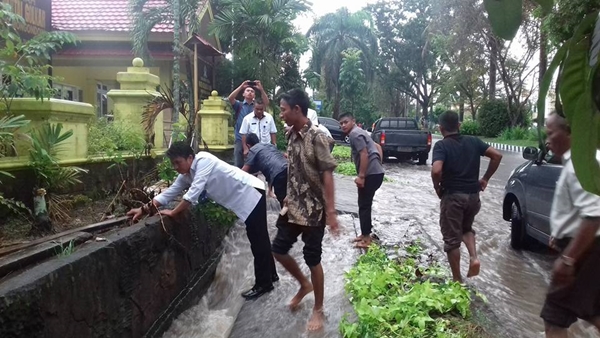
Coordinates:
[113,201]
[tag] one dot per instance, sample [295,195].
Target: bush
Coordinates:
[109,137]
[469,127]
[341,153]
[516,133]
[493,118]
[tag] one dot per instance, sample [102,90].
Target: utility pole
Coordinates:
[176,70]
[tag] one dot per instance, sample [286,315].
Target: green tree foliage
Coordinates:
[493,117]
[404,41]
[352,81]
[263,36]
[330,36]
[562,21]
[578,62]
[290,77]
[470,127]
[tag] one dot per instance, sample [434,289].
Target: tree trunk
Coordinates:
[40,210]
[461,108]
[176,68]
[543,53]
[493,59]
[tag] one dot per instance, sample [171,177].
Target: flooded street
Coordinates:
[514,282]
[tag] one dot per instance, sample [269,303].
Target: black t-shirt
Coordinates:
[461,156]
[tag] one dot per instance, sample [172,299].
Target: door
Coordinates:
[539,193]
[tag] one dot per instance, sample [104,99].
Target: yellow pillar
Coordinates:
[214,121]
[138,88]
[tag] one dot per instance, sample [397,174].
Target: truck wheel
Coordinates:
[347,139]
[519,240]
[423,158]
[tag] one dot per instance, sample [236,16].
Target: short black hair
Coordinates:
[449,121]
[296,97]
[179,149]
[251,139]
[348,115]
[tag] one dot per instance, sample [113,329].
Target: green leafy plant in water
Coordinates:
[341,153]
[346,168]
[166,171]
[392,299]
[215,214]
[66,250]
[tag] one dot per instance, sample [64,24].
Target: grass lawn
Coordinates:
[522,143]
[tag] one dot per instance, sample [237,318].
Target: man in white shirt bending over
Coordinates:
[230,187]
[260,123]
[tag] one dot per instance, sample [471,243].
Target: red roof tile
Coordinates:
[99,15]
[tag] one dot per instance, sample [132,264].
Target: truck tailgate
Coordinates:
[406,138]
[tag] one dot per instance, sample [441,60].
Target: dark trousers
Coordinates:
[260,244]
[280,186]
[365,202]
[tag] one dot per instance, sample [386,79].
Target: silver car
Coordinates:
[528,198]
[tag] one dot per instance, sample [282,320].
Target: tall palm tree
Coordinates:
[263,35]
[146,17]
[330,36]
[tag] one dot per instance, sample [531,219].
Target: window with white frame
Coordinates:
[66,92]
[101,99]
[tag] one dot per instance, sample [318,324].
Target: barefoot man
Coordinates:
[309,202]
[455,176]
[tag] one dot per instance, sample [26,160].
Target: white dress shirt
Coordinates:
[263,128]
[571,203]
[314,118]
[225,184]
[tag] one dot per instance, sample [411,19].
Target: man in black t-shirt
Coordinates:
[455,176]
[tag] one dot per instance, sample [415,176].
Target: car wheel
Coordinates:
[519,239]
[423,158]
[347,139]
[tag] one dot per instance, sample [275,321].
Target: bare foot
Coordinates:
[364,244]
[316,321]
[358,239]
[474,268]
[304,290]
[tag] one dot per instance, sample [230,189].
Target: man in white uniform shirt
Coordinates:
[314,119]
[260,123]
[574,290]
[230,187]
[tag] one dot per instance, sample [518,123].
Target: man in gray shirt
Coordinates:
[267,159]
[367,156]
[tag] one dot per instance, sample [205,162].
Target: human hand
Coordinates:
[562,274]
[258,84]
[245,84]
[439,192]
[332,221]
[483,183]
[136,214]
[285,201]
[360,182]
[167,212]
[246,151]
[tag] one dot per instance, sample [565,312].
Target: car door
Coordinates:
[333,126]
[539,193]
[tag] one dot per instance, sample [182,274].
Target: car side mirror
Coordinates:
[531,153]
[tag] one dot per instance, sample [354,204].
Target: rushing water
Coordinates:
[268,316]
[514,282]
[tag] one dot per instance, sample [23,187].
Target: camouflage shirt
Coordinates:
[308,156]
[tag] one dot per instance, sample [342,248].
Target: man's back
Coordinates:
[267,159]
[462,157]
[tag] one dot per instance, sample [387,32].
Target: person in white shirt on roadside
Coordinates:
[228,186]
[260,123]
[314,119]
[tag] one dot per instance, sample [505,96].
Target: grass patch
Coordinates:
[406,298]
[342,153]
[66,250]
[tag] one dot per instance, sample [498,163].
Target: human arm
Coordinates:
[246,149]
[244,130]
[495,157]
[236,92]
[263,93]
[439,156]
[273,131]
[362,168]
[162,199]
[380,151]
[588,206]
[329,188]
[204,167]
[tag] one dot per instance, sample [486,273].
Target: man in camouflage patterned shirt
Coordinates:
[309,202]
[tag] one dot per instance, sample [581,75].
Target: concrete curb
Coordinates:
[499,146]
